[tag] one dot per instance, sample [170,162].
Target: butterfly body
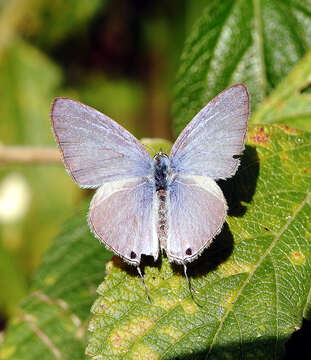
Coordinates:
[143,204]
[162,171]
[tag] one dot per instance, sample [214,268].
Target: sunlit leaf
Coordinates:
[253,282]
[255,42]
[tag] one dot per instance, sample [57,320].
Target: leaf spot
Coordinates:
[260,136]
[144,352]
[173,333]
[233,268]
[230,299]
[297,258]
[288,130]
[123,337]
[164,302]
[175,282]
[189,307]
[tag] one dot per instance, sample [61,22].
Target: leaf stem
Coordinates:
[28,155]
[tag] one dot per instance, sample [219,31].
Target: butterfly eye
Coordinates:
[188,251]
[133,255]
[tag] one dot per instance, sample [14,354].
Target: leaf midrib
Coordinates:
[258,27]
[267,252]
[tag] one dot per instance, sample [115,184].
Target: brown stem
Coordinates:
[28,155]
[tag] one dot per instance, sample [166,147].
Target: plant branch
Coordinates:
[29,155]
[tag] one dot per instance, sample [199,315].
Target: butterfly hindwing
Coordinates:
[196,213]
[123,215]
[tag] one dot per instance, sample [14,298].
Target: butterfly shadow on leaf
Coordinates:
[240,189]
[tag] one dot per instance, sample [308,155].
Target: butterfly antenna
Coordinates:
[191,288]
[143,280]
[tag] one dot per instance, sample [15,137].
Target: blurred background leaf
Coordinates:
[240,41]
[48,23]
[290,102]
[29,80]
[52,321]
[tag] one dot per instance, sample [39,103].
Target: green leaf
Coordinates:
[253,282]
[255,42]
[26,95]
[51,322]
[288,103]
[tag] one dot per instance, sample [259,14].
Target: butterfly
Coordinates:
[144,204]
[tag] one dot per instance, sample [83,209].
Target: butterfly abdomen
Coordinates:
[162,227]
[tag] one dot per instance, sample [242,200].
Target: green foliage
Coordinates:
[52,321]
[25,98]
[289,104]
[253,282]
[255,42]
[16,290]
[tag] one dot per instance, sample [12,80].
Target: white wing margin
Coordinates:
[123,215]
[211,143]
[95,148]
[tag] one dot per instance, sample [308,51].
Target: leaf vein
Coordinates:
[252,272]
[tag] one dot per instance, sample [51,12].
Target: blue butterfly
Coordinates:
[145,204]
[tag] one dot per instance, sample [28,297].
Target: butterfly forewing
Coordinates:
[123,216]
[211,142]
[196,212]
[95,148]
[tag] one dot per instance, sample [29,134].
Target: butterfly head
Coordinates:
[160,155]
